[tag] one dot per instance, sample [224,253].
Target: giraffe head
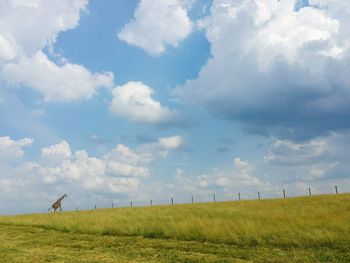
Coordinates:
[65,195]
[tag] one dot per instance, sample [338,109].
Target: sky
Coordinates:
[136,100]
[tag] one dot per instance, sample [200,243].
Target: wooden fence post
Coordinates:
[259,195]
[214,198]
[239,196]
[112,205]
[151,202]
[336,189]
[309,191]
[192,199]
[130,203]
[172,201]
[284,193]
[95,207]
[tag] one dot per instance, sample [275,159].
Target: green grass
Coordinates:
[305,229]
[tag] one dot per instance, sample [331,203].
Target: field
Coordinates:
[304,229]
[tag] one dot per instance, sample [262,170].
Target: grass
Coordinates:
[305,229]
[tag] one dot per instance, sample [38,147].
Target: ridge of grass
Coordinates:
[317,227]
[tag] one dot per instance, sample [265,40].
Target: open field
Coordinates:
[305,229]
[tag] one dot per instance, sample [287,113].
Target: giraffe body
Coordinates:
[57,205]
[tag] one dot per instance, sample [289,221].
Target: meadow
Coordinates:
[303,229]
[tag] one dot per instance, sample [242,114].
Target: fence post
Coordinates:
[151,202]
[112,205]
[239,196]
[95,207]
[130,203]
[76,209]
[192,199]
[284,193]
[309,191]
[336,190]
[259,195]
[172,201]
[214,197]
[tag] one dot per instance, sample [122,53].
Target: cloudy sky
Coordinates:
[120,100]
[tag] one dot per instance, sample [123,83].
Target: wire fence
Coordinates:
[213,198]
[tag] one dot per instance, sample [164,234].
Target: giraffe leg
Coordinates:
[60,208]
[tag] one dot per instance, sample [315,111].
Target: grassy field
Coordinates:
[305,229]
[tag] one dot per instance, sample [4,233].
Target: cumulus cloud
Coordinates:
[240,175]
[124,162]
[12,163]
[125,154]
[6,185]
[65,82]
[119,171]
[134,101]
[12,149]
[333,147]
[92,172]
[23,37]
[278,69]
[170,143]
[158,24]
[163,146]
[21,22]
[56,153]
[289,153]
[121,165]
[8,49]
[321,157]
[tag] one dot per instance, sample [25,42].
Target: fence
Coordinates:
[200,198]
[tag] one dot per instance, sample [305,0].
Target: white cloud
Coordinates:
[78,168]
[240,176]
[171,143]
[279,71]
[23,37]
[322,157]
[8,49]
[158,24]
[134,101]
[59,164]
[289,32]
[124,162]
[65,82]
[124,154]
[12,149]
[286,152]
[21,22]
[6,185]
[57,153]
[121,170]
[123,185]
[162,146]
[316,172]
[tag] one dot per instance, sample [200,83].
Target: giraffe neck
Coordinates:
[60,199]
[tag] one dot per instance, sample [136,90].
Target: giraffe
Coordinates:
[57,204]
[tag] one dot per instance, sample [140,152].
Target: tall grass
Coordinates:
[308,222]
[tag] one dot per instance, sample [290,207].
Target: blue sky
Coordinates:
[135,100]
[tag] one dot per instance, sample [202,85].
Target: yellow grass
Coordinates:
[315,224]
